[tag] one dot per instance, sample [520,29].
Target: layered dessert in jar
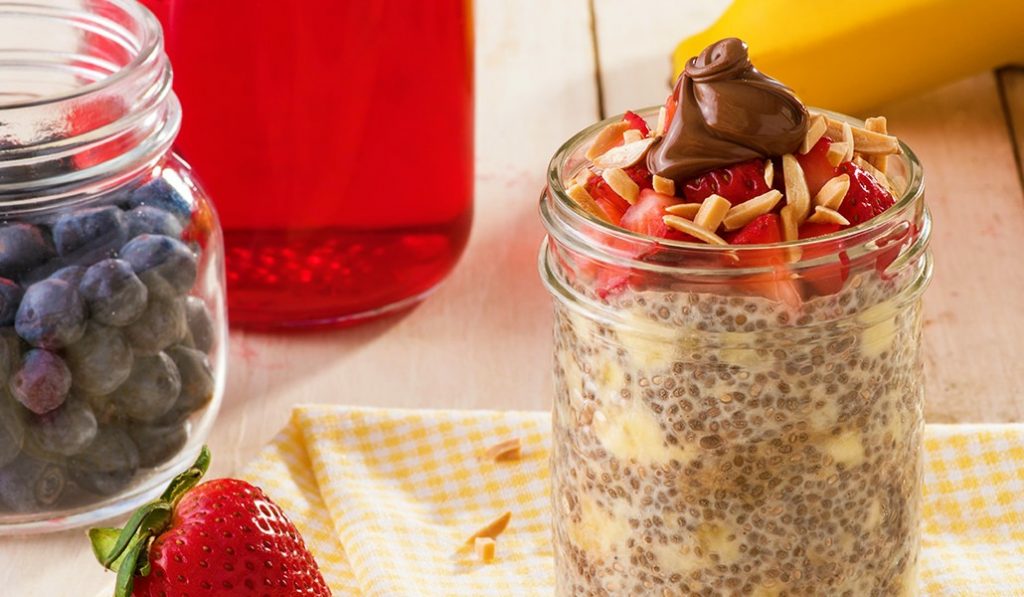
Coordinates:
[738,405]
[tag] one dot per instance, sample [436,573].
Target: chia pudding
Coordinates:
[740,417]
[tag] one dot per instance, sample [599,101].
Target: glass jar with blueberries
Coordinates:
[112,322]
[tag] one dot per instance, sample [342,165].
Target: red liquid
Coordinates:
[336,140]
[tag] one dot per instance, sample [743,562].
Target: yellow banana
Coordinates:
[853,55]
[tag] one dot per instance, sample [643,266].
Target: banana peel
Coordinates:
[854,55]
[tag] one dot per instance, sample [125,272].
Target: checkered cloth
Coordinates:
[387,498]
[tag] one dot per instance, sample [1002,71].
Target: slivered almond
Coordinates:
[825,215]
[624,156]
[684,225]
[833,192]
[582,198]
[631,136]
[846,131]
[609,137]
[769,172]
[742,214]
[484,548]
[584,177]
[711,213]
[797,194]
[621,183]
[790,230]
[878,124]
[815,130]
[789,223]
[509,449]
[864,140]
[685,210]
[836,153]
[492,530]
[659,129]
[665,186]
[881,177]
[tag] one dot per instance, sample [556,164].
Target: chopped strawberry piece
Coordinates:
[866,197]
[645,216]
[636,122]
[737,183]
[608,200]
[762,230]
[640,175]
[817,169]
[827,278]
[816,229]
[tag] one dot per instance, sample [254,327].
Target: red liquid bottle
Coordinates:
[336,140]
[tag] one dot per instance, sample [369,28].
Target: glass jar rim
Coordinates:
[577,216]
[149,43]
[115,116]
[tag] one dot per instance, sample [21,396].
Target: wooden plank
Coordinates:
[974,331]
[635,46]
[482,341]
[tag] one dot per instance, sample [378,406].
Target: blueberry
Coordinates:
[165,264]
[159,443]
[91,234]
[12,432]
[30,485]
[42,382]
[108,464]
[10,298]
[160,194]
[113,293]
[200,324]
[161,325]
[22,248]
[51,315]
[63,432]
[71,274]
[100,361]
[146,219]
[151,389]
[197,384]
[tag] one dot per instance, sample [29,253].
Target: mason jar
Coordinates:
[112,323]
[736,420]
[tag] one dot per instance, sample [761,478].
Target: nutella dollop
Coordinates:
[727,112]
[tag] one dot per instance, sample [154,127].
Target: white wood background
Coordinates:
[482,341]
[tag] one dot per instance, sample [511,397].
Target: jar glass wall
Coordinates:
[112,312]
[740,419]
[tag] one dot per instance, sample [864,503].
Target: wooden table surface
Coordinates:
[544,70]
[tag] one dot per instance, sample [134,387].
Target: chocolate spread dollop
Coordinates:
[727,112]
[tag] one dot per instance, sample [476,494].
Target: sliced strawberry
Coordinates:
[640,175]
[827,278]
[646,216]
[866,197]
[817,169]
[762,230]
[737,183]
[637,122]
[608,200]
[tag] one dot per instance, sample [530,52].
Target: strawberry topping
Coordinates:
[762,230]
[817,169]
[645,216]
[636,122]
[737,183]
[866,197]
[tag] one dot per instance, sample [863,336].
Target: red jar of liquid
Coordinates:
[336,139]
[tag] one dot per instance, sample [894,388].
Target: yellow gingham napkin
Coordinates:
[387,498]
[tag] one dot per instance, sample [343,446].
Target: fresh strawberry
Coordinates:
[816,229]
[223,537]
[762,230]
[817,169]
[636,122]
[866,197]
[830,277]
[737,183]
[608,200]
[645,216]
